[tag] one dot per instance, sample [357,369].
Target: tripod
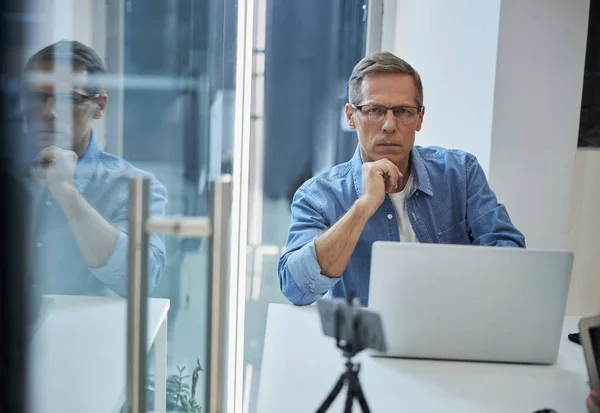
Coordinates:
[349,377]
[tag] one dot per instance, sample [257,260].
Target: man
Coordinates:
[390,190]
[80,192]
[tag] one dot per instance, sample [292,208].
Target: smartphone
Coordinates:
[590,340]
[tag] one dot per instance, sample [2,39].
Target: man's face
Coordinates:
[393,136]
[60,111]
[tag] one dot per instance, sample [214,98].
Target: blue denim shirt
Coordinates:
[450,202]
[59,266]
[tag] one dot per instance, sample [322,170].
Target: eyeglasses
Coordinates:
[38,99]
[403,114]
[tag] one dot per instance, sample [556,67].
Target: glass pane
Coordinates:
[112,90]
[304,52]
[177,108]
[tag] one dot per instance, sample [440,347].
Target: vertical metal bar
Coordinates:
[137,296]
[219,253]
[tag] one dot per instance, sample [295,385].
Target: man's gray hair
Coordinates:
[70,51]
[381,62]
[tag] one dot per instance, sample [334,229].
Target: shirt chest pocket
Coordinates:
[456,234]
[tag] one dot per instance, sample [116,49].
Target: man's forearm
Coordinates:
[335,246]
[95,236]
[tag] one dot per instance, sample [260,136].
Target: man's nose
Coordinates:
[389,122]
[49,110]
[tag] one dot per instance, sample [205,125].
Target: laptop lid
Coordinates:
[470,303]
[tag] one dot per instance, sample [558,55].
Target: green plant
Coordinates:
[181,397]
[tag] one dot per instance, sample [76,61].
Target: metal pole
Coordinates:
[137,296]
[219,253]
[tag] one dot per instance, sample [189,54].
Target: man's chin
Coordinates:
[395,158]
[45,140]
[43,143]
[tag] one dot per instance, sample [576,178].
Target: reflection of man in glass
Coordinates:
[390,190]
[81,192]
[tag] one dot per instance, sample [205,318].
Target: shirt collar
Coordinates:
[421,179]
[87,164]
[420,174]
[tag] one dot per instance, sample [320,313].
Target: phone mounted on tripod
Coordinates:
[354,329]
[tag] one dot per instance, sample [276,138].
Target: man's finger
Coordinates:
[389,184]
[396,181]
[394,172]
[392,166]
[47,160]
[47,156]
[390,173]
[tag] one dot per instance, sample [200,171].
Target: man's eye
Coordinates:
[68,97]
[401,111]
[376,111]
[35,97]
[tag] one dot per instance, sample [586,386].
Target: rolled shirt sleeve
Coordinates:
[300,277]
[114,273]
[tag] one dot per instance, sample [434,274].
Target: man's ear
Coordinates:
[420,122]
[349,117]
[101,104]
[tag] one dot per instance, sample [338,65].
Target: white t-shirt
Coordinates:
[407,234]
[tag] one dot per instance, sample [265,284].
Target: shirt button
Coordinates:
[48,203]
[390,216]
[39,245]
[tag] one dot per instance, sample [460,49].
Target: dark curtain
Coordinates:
[311,48]
[589,126]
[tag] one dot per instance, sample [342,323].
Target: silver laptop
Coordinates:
[470,303]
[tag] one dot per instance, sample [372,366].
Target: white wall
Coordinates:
[452,44]
[537,101]
[584,227]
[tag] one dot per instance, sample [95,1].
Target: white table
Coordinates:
[78,355]
[300,366]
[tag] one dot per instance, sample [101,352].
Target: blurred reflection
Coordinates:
[81,197]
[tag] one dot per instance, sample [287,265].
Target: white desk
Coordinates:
[78,355]
[300,366]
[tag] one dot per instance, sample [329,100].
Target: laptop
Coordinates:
[457,302]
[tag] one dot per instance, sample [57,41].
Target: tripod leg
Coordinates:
[332,395]
[358,393]
[349,397]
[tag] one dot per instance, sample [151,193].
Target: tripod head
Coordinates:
[354,328]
